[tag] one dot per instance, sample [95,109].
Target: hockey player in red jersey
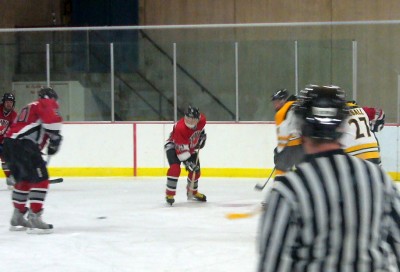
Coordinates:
[376,118]
[187,136]
[22,152]
[7,116]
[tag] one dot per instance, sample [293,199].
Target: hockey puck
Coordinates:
[102,217]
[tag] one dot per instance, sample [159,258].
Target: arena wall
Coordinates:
[137,149]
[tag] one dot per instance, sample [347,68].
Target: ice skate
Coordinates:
[197,197]
[18,221]
[170,199]
[37,225]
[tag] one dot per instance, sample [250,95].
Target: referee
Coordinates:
[335,212]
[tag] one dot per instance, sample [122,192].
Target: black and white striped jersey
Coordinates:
[335,212]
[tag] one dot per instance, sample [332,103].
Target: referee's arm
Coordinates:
[277,232]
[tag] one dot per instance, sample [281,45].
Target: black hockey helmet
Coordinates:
[192,112]
[47,93]
[280,94]
[322,109]
[8,97]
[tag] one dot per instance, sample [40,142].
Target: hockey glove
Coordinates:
[191,166]
[275,155]
[54,144]
[202,140]
[379,123]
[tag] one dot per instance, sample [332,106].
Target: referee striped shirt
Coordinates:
[335,212]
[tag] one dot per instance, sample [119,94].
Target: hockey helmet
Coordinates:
[192,112]
[192,116]
[280,94]
[8,97]
[47,93]
[322,109]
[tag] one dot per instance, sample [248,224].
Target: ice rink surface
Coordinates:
[123,224]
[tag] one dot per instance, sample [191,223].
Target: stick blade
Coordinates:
[258,187]
[57,180]
[234,216]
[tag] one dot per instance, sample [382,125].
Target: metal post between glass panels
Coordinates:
[87,51]
[175,87]
[112,81]
[237,79]
[296,68]
[398,98]
[48,64]
[354,52]
[398,117]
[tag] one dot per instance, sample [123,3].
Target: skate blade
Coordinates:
[39,231]
[193,199]
[17,228]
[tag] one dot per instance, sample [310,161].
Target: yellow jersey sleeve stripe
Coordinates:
[368,155]
[360,147]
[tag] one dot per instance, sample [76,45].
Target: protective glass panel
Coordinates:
[361,58]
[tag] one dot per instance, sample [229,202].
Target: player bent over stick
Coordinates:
[187,136]
[22,152]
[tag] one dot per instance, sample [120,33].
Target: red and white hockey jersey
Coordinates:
[35,120]
[6,119]
[376,117]
[186,139]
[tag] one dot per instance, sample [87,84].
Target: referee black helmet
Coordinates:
[322,109]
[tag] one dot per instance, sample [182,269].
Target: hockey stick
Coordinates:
[260,187]
[234,216]
[56,180]
[190,194]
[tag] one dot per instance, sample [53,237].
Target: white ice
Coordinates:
[123,224]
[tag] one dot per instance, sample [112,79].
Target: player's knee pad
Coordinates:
[174,170]
[172,157]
